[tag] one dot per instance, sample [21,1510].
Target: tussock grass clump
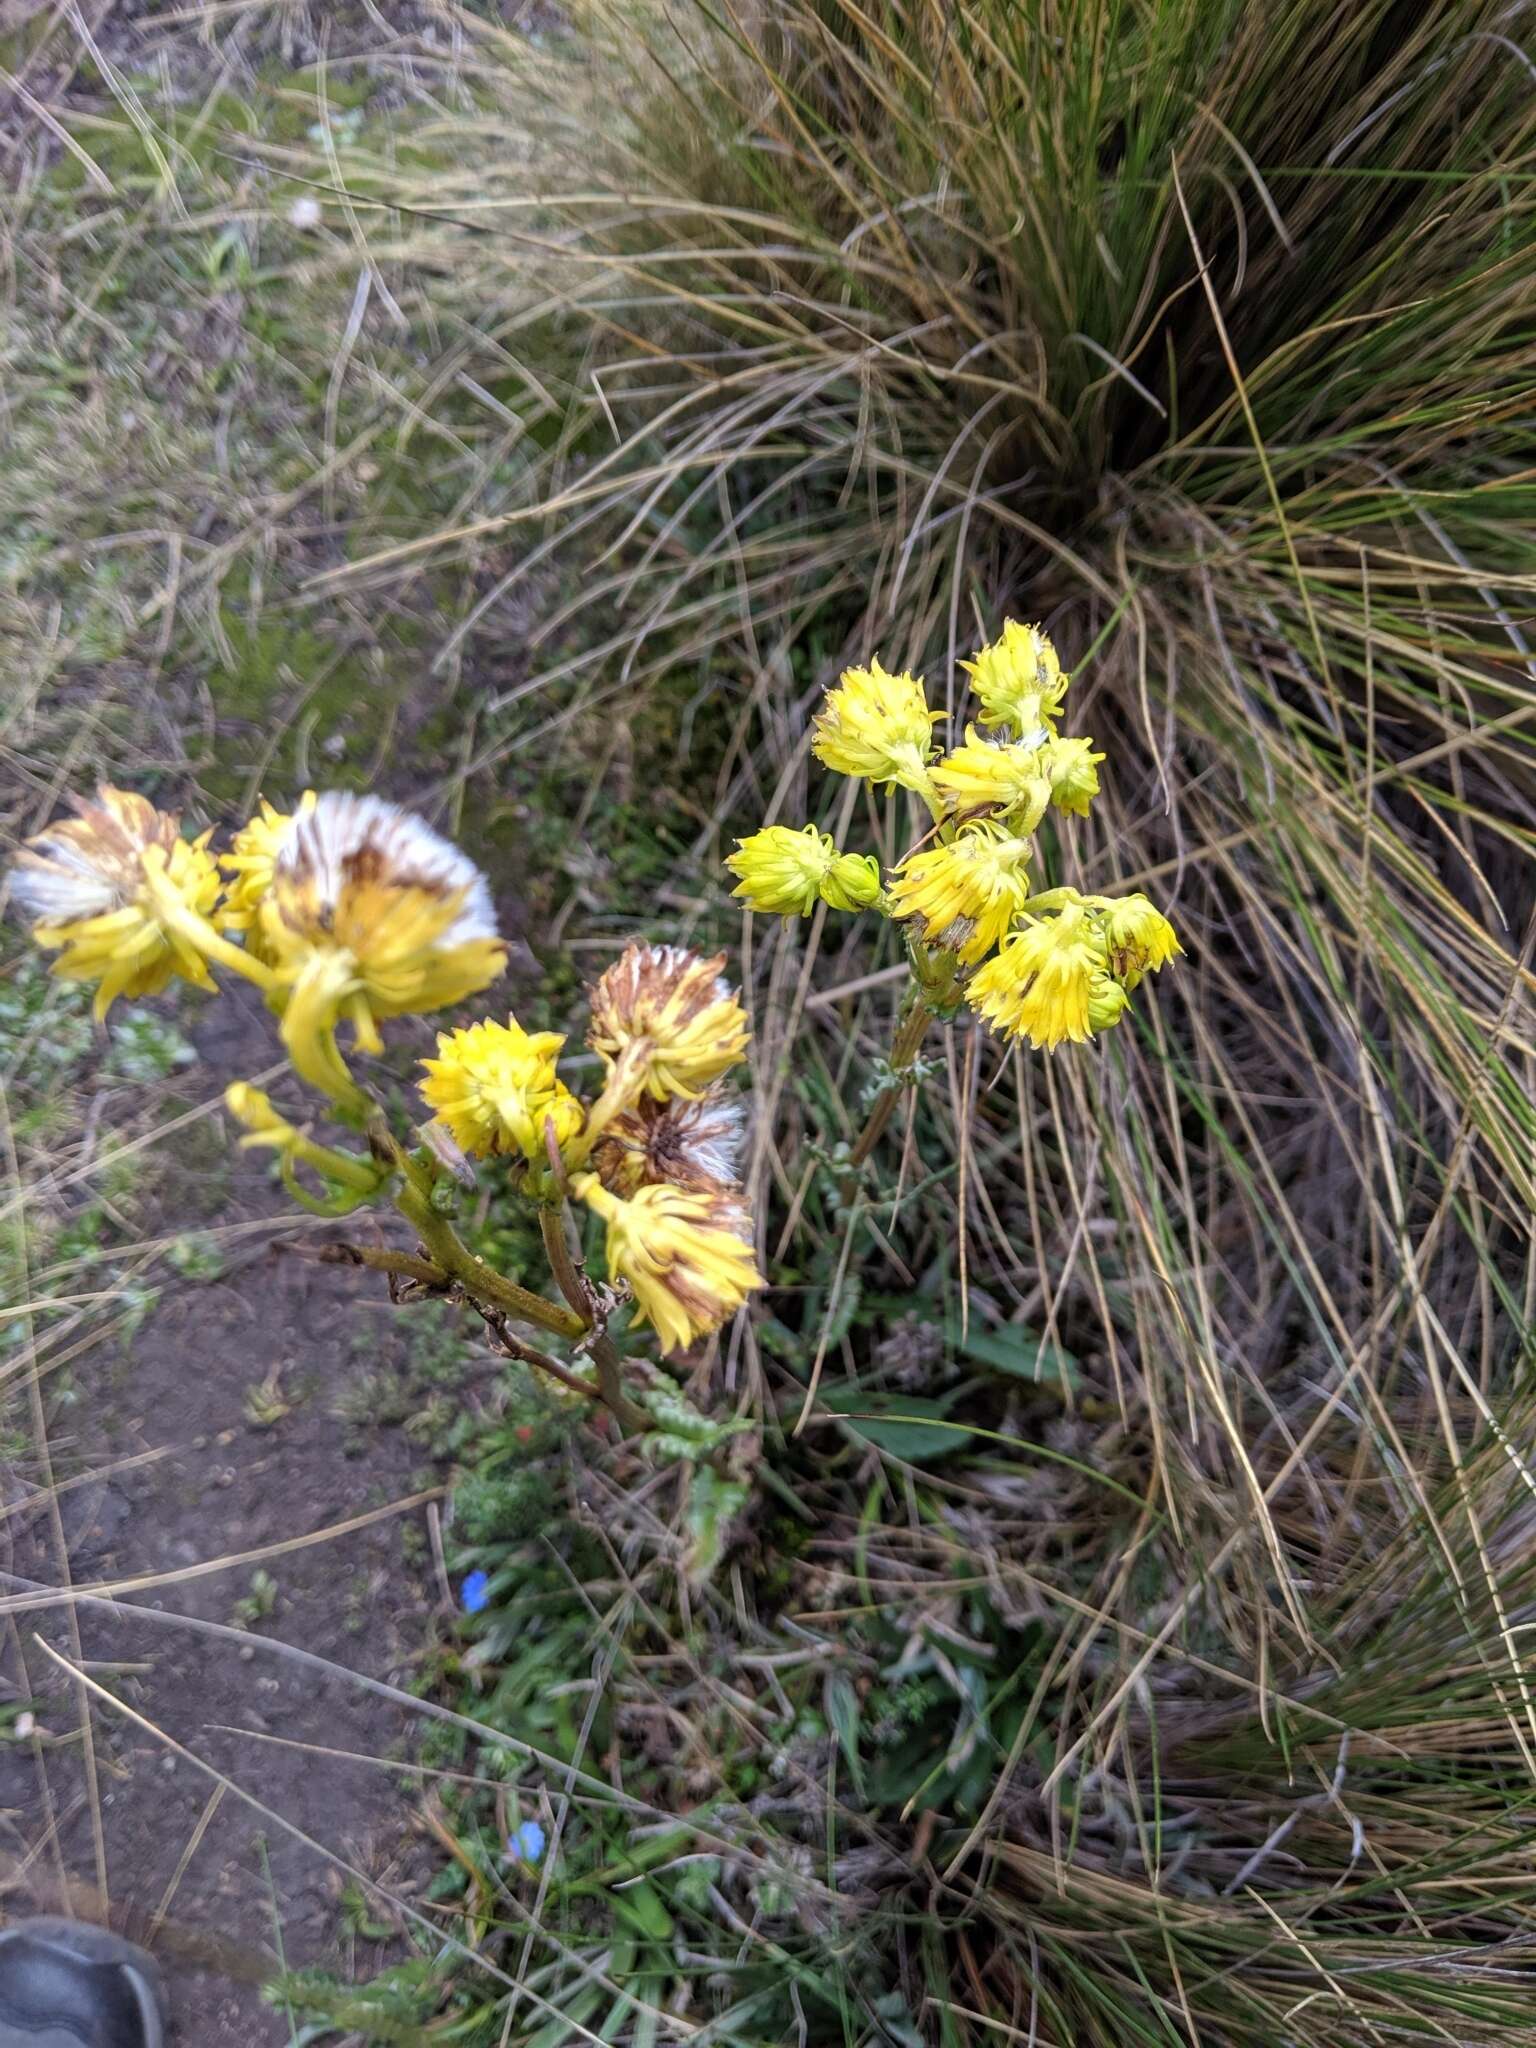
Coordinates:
[1201,333]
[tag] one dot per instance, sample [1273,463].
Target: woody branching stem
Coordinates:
[557,1249]
[573,1285]
[413,1198]
[529,1354]
[610,1380]
[498,1299]
[427,1273]
[476,1277]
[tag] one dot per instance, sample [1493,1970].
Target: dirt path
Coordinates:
[216,1429]
[229,1474]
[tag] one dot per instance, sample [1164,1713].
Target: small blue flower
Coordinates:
[526,1841]
[475,1592]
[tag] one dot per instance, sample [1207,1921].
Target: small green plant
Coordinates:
[258,1604]
[196,1255]
[265,1402]
[45,1029]
[146,1047]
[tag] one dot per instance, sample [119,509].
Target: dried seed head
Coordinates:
[671,1016]
[84,885]
[686,1144]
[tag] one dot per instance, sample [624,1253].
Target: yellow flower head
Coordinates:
[685,1144]
[1107,1003]
[266,1126]
[88,884]
[495,1086]
[1020,682]
[1071,767]
[852,882]
[876,726]
[1044,980]
[370,914]
[967,893]
[983,775]
[1137,935]
[251,863]
[255,1110]
[683,1252]
[787,872]
[670,1017]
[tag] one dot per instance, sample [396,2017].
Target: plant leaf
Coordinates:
[912,1427]
[1018,1352]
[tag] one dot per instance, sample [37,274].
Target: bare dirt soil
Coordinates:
[223,1889]
[213,1431]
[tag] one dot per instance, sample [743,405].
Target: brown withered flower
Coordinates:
[669,1019]
[680,1143]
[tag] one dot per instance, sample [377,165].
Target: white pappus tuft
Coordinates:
[345,841]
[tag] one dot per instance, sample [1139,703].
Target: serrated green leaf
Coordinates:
[712,1502]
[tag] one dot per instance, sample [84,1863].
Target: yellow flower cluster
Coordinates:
[495,1087]
[662,1140]
[347,910]
[90,887]
[1047,965]
[1020,683]
[654,1156]
[877,726]
[782,870]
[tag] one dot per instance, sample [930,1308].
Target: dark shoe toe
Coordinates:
[64,1985]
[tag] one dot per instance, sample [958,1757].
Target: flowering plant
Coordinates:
[348,911]
[1049,965]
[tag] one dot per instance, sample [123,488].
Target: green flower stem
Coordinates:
[475,1276]
[334,1205]
[1054,899]
[937,809]
[361,1175]
[619,1091]
[904,1049]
